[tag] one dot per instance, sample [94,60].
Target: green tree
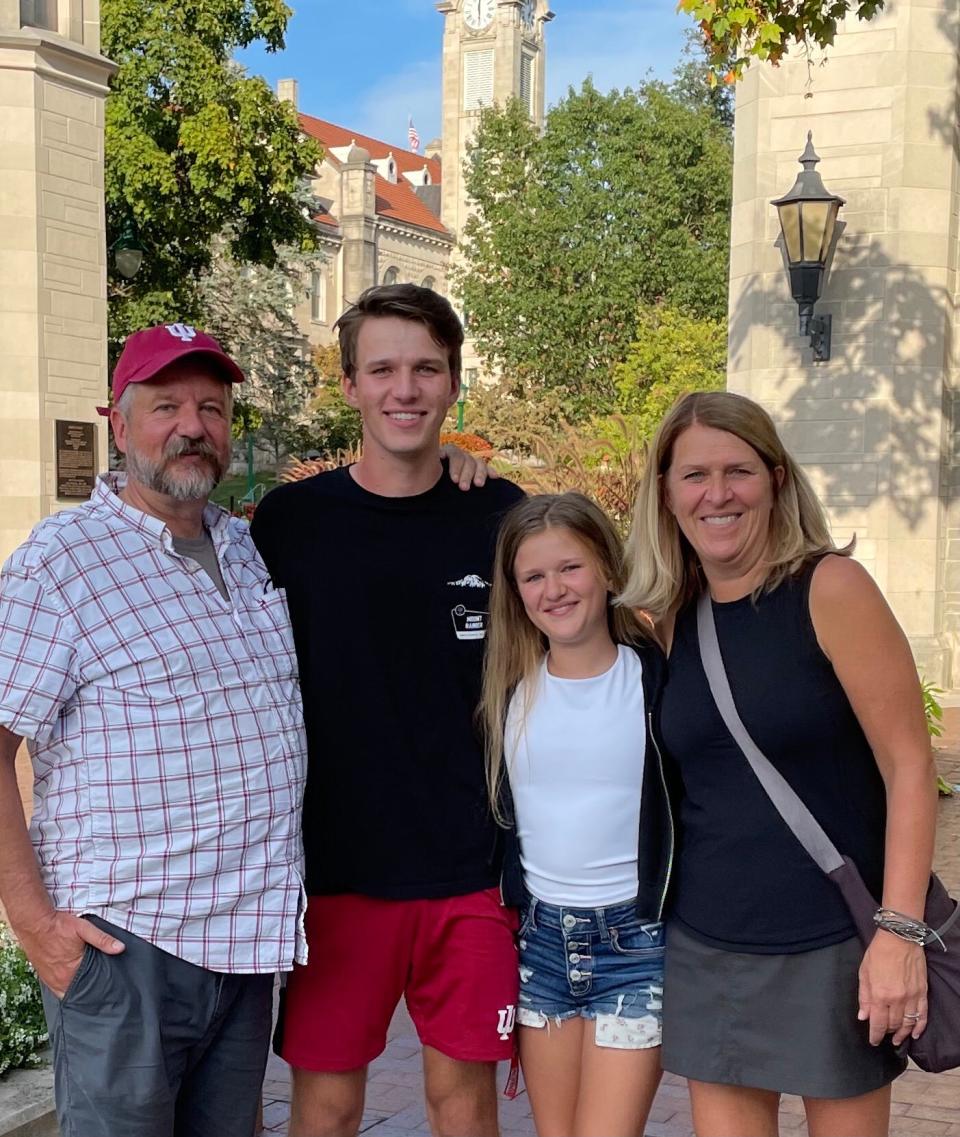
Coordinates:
[623,199]
[334,425]
[673,353]
[196,150]
[736,31]
[695,85]
[249,308]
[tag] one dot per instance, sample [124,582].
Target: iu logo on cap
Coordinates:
[182,332]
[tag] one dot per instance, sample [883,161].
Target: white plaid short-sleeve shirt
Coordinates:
[165,729]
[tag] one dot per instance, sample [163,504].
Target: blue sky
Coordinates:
[368,64]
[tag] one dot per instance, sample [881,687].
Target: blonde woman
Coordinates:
[768,988]
[570,685]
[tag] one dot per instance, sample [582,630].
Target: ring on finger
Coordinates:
[912,1016]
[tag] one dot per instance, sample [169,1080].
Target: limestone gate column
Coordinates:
[874,425]
[53,335]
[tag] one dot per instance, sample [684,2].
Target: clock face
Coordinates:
[528,13]
[478,14]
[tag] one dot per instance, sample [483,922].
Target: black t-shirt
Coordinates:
[388,598]
[743,882]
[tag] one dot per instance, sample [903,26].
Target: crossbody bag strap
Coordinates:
[799,819]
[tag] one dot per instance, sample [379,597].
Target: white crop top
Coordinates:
[576,771]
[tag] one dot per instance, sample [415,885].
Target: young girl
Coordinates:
[570,688]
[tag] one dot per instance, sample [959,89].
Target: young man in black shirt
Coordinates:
[386,567]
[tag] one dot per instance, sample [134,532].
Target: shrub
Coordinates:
[932,710]
[934,716]
[606,469]
[673,353]
[297,469]
[23,1029]
[512,419]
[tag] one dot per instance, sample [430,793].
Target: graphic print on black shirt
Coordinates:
[388,598]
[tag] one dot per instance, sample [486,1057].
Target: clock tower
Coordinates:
[492,50]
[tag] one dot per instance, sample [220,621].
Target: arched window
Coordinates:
[429,282]
[392,275]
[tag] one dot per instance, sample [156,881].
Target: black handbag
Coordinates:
[938,1048]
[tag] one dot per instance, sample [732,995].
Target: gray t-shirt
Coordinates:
[201,550]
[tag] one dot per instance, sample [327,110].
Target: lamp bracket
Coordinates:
[821,328]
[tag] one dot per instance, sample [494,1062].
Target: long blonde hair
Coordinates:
[515,647]
[664,570]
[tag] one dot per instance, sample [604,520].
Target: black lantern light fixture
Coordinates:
[127,251]
[808,219]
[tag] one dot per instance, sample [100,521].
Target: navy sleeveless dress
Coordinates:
[762,958]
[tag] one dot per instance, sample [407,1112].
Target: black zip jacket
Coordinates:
[656,837]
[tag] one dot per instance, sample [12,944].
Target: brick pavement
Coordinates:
[924,1105]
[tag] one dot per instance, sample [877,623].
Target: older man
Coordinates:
[149,662]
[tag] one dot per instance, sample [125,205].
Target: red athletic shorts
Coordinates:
[455,961]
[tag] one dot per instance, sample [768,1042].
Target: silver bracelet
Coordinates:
[905,927]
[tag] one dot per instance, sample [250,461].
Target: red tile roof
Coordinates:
[395,200]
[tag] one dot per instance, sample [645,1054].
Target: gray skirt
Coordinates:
[786,1023]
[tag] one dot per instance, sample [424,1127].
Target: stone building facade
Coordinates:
[877,424]
[391,214]
[53,82]
[379,221]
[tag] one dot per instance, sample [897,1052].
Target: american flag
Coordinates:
[412,137]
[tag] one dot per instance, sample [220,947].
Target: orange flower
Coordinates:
[472,443]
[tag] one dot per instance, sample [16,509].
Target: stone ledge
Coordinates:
[26,1104]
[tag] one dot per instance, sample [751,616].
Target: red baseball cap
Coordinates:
[148,352]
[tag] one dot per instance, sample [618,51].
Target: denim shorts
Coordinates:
[595,963]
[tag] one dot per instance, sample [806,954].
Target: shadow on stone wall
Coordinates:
[946,124]
[891,339]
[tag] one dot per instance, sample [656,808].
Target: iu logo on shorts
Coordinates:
[506,1020]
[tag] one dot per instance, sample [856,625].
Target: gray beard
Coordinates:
[187,485]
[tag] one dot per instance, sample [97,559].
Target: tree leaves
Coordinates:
[672,353]
[766,29]
[195,149]
[623,199]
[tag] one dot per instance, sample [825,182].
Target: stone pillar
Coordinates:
[358,222]
[53,366]
[874,425]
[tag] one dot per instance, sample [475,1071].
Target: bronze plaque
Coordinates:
[76,459]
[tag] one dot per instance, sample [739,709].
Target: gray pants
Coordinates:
[148,1045]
